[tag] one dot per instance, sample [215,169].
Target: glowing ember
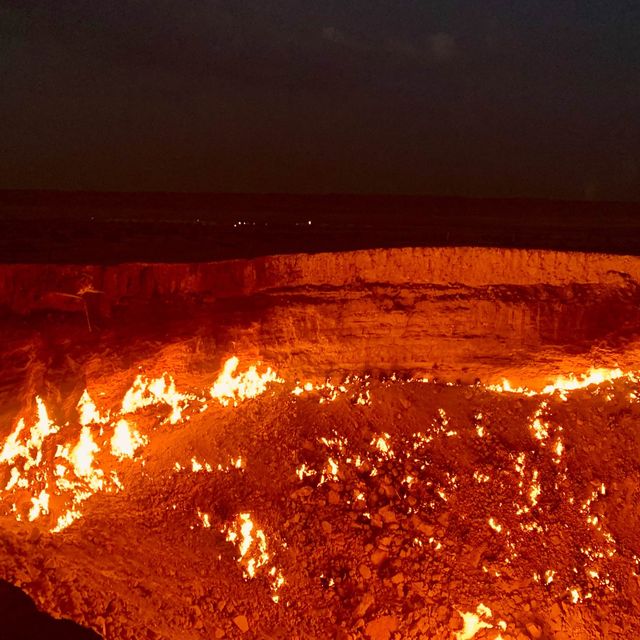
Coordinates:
[382,444]
[535,491]
[204,519]
[302,471]
[495,526]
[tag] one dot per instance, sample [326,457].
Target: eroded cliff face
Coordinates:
[22,286]
[446,312]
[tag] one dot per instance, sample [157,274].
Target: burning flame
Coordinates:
[564,384]
[50,474]
[473,622]
[125,441]
[230,388]
[76,471]
[252,548]
[204,519]
[162,390]
[89,413]
[42,428]
[82,454]
[40,505]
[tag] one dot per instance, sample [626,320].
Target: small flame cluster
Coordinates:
[43,466]
[252,547]
[52,472]
[232,388]
[327,391]
[475,621]
[51,469]
[537,476]
[563,385]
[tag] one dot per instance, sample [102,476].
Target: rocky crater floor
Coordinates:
[325,446]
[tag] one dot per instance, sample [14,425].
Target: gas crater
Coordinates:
[388,444]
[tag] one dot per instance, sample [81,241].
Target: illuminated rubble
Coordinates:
[394,506]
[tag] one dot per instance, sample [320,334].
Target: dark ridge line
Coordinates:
[111,228]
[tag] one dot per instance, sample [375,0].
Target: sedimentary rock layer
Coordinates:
[446,312]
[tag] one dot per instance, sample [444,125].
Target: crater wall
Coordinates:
[445,312]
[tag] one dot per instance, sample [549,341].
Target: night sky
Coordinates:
[473,98]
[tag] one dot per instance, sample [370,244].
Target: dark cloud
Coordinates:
[435,47]
[443,46]
[495,98]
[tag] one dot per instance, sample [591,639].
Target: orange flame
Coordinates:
[75,470]
[230,388]
[89,414]
[162,390]
[252,549]
[125,442]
